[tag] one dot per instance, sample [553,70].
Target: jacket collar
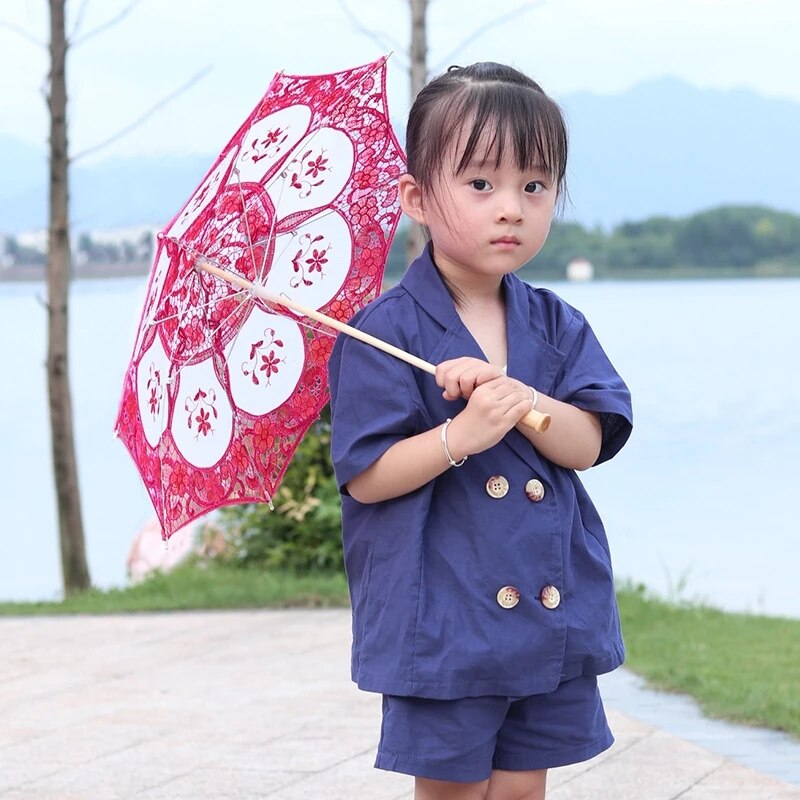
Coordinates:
[424,283]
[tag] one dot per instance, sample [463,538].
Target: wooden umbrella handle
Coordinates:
[533,419]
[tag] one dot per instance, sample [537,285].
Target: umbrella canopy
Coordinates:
[222,384]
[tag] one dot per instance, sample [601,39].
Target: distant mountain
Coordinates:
[23,169]
[116,193]
[663,147]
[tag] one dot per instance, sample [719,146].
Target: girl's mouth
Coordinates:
[506,242]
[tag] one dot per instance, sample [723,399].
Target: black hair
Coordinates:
[485,103]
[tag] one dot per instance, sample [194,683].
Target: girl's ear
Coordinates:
[411,198]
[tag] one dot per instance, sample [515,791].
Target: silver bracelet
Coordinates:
[535,397]
[444,446]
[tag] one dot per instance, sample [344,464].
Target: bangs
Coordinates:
[513,123]
[498,120]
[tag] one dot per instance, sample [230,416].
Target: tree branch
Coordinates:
[78,20]
[108,24]
[386,43]
[136,123]
[23,33]
[480,31]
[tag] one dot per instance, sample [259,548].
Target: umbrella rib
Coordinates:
[316,328]
[246,220]
[179,316]
[241,293]
[261,273]
[299,321]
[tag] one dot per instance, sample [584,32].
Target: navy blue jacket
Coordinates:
[425,569]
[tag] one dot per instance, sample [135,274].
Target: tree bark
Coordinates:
[74,567]
[419,56]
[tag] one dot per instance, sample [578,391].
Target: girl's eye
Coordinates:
[480,184]
[534,187]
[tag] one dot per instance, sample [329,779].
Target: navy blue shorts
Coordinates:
[464,740]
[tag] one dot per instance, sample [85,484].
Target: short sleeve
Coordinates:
[375,401]
[588,380]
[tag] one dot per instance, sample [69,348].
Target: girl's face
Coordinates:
[487,220]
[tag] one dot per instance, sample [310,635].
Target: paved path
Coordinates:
[255,704]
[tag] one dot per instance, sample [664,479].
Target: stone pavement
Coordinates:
[256,704]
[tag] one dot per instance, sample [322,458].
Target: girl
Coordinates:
[481,586]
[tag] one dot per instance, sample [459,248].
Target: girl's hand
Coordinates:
[459,377]
[494,408]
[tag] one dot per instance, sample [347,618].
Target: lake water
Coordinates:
[701,504]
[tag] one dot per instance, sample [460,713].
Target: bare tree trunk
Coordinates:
[419,55]
[73,554]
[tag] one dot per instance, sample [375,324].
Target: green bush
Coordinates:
[303,533]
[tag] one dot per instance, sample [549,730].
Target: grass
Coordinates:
[740,667]
[194,587]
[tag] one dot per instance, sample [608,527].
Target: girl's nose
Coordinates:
[509,209]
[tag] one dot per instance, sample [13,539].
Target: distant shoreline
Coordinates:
[28,272]
[20,274]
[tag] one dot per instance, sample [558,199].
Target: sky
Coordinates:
[602,46]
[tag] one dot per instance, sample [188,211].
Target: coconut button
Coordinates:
[508,597]
[550,597]
[534,489]
[497,486]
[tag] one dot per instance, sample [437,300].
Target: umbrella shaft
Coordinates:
[243,283]
[533,419]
